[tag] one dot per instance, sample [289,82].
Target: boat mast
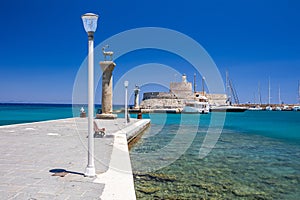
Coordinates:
[298,92]
[230,91]
[228,88]
[259,94]
[203,78]
[234,93]
[194,82]
[279,96]
[269,92]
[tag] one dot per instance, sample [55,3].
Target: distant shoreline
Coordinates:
[63,104]
[265,105]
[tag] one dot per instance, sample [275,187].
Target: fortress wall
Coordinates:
[179,93]
[183,90]
[158,95]
[161,103]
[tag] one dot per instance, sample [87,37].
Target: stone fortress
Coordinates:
[174,100]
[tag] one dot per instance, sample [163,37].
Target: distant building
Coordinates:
[182,90]
[179,93]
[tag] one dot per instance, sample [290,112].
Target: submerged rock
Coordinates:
[155,177]
[244,191]
[148,190]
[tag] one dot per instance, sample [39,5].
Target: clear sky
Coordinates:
[43,43]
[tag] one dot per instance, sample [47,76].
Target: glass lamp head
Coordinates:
[89,22]
[126,83]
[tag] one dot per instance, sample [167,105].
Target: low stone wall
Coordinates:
[158,95]
[161,103]
[136,130]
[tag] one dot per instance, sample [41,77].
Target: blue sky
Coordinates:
[43,43]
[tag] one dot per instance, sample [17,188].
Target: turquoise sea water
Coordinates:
[256,157]
[25,113]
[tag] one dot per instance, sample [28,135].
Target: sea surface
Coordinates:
[25,113]
[257,155]
[16,113]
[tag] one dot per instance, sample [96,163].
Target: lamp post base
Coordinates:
[90,172]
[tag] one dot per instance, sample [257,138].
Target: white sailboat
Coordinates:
[297,108]
[231,93]
[258,107]
[269,108]
[278,108]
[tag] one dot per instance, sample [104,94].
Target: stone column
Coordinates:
[107,68]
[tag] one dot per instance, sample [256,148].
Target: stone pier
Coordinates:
[107,68]
[46,160]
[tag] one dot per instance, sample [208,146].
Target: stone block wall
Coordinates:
[158,95]
[161,104]
[182,90]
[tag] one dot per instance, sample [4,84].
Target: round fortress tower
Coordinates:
[184,78]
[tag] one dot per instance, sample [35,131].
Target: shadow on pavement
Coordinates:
[63,172]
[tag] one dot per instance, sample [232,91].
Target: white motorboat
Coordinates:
[199,105]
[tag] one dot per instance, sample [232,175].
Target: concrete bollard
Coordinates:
[139,116]
[83,114]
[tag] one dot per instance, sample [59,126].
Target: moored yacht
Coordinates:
[199,105]
[296,108]
[228,108]
[269,108]
[278,108]
[231,92]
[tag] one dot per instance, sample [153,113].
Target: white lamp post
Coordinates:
[126,86]
[90,24]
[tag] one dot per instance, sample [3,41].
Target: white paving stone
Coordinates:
[29,151]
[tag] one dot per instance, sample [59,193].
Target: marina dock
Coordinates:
[46,160]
